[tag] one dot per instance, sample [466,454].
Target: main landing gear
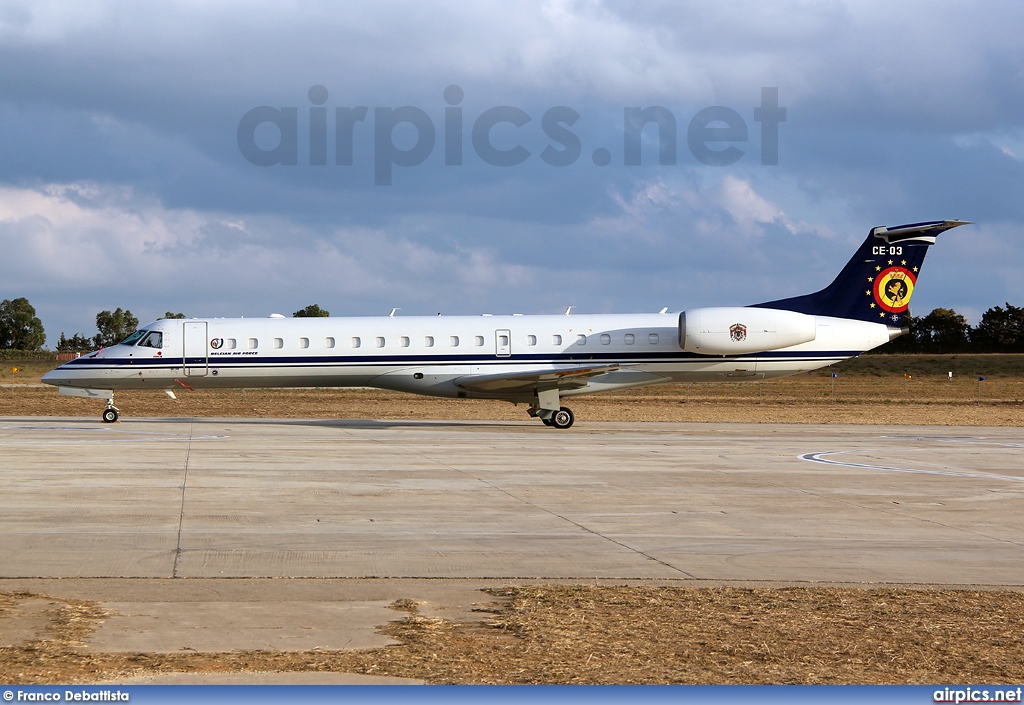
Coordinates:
[563,418]
[546,407]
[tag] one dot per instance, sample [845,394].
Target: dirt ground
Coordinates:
[616,635]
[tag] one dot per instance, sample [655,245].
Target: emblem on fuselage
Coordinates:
[737,332]
[217,343]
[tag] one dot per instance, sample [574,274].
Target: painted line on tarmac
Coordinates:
[820,458]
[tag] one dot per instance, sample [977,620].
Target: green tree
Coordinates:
[169,315]
[114,327]
[1000,330]
[311,311]
[76,343]
[20,329]
[943,331]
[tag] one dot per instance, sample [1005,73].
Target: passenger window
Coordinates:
[531,340]
[232,343]
[630,339]
[503,341]
[454,341]
[253,343]
[278,343]
[328,342]
[605,339]
[428,341]
[581,340]
[356,342]
[303,342]
[478,341]
[380,342]
[404,341]
[556,340]
[653,338]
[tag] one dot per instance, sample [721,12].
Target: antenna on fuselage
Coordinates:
[664,310]
[392,314]
[568,310]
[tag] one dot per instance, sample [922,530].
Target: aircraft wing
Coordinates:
[552,378]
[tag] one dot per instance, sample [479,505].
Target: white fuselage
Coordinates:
[435,355]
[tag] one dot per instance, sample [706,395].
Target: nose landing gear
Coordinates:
[111,413]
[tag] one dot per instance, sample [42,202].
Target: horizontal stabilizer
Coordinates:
[922,232]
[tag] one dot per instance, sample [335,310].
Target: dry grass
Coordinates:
[590,634]
[801,399]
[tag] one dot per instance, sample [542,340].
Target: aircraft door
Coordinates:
[196,350]
[502,342]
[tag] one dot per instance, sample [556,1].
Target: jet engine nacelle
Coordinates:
[740,330]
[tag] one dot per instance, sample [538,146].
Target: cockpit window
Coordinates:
[155,339]
[131,339]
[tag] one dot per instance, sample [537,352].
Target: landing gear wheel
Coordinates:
[110,415]
[562,418]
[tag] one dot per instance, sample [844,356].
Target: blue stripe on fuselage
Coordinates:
[424,360]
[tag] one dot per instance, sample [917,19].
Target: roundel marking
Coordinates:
[893,288]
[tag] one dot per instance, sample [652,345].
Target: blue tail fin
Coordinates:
[877,283]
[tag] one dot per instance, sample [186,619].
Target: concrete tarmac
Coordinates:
[366,512]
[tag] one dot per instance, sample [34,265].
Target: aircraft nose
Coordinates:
[55,376]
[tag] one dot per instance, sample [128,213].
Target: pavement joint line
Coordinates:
[920,519]
[184,484]
[968,440]
[808,457]
[547,511]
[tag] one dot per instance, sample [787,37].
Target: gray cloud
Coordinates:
[122,183]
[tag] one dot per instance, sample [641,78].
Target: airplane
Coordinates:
[537,360]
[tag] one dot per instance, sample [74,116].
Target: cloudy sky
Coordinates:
[127,174]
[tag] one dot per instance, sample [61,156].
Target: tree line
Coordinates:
[21,329]
[943,331]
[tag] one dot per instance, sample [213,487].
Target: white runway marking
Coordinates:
[820,458]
